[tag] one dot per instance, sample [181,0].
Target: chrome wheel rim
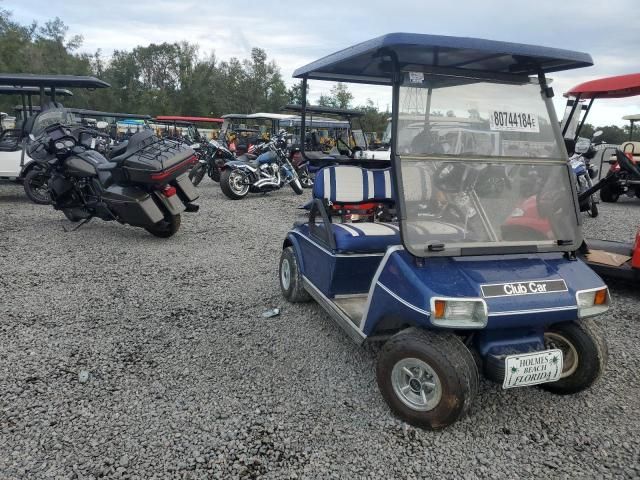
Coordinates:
[570,357]
[237,184]
[285,274]
[416,384]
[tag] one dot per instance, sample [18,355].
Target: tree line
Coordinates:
[158,79]
[173,78]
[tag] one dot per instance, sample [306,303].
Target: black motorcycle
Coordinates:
[267,169]
[211,159]
[143,183]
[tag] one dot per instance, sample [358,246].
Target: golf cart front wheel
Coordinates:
[428,379]
[291,278]
[585,353]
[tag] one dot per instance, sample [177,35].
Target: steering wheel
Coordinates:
[451,176]
[348,148]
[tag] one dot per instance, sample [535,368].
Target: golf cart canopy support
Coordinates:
[432,64]
[372,61]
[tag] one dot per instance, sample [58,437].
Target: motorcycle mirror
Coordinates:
[102,125]
[582,145]
[597,133]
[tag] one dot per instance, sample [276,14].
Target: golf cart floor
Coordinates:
[352,305]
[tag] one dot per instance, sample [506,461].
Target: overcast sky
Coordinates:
[295,33]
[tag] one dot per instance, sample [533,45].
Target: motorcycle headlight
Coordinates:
[459,312]
[593,302]
[517,212]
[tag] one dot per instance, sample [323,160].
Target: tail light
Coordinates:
[169,191]
[635,259]
[160,176]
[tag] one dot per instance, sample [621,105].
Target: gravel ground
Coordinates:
[123,355]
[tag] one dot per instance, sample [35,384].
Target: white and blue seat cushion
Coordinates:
[352,184]
[345,184]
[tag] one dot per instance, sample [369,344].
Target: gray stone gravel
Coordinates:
[127,356]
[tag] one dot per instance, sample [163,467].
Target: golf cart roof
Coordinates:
[317,109]
[52,81]
[11,90]
[260,115]
[370,61]
[634,118]
[179,119]
[620,86]
[94,113]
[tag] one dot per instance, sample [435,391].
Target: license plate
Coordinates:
[532,368]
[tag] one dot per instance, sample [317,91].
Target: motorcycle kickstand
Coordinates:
[84,222]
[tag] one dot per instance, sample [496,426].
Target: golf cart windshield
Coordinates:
[474,158]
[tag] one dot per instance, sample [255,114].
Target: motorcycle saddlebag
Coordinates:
[149,159]
[132,205]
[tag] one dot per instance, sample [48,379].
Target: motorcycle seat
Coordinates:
[119,149]
[135,143]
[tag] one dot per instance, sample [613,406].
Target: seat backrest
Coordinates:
[353,184]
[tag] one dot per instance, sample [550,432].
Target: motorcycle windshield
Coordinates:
[480,172]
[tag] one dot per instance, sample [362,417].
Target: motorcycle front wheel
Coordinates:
[296,186]
[165,228]
[234,184]
[197,173]
[36,188]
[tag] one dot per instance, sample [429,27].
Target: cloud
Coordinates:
[294,33]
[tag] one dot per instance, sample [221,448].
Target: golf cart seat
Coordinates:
[353,186]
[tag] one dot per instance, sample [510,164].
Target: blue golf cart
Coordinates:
[413,255]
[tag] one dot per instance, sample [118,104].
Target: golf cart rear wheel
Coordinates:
[609,194]
[428,379]
[291,278]
[585,353]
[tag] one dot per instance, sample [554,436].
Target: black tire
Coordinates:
[609,194]
[590,345]
[296,186]
[450,360]
[35,186]
[165,228]
[197,173]
[226,187]
[291,282]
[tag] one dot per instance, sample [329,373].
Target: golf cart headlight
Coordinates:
[459,313]
[593,302]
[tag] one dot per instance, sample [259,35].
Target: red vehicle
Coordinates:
[579,104]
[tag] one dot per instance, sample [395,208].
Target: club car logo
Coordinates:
[532,287]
